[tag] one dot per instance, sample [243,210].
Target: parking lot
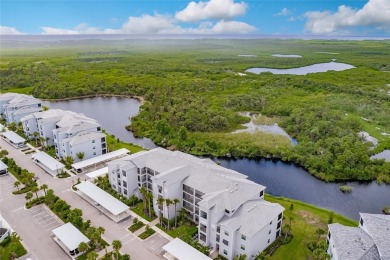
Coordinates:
[43,217]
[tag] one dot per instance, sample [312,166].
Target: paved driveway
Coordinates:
[62,187]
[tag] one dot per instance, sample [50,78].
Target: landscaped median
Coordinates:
[11,247]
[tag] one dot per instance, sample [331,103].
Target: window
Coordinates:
[94,153]
[125,191]
[113,186]
[218,229]
[261,193]
[269,240]
[124,173]
[269,232]
[203,214]
[279,224]
[270,223]
[94,147]
[227,211]
[329,235]
[124,184]
[280,216]
[202,237]
[217,238]
[93,141]
[242,247]
[99,128]
[226,233]
[224,252]
[243,237]
[361,221]
[159,189]
[225,242]
[277,234]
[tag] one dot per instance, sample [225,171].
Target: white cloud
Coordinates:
[375,14]
[213,9]
[283,12]
[158,24]
[4,30]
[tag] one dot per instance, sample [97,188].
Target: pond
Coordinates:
[320,67]
[382,155]
[113,113]
[281,179]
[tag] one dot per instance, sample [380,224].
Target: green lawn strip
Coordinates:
[184,232]
[26,90]
[115,144]
[306,219]
[139,210]
[7,247]
[147,233]
[136,226]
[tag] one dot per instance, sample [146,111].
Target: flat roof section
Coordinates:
[182,251]
[110,203]
[97,173]
[13,137]
[99,159]
[70,236]
[48,161]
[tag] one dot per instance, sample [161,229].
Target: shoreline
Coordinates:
[141,99]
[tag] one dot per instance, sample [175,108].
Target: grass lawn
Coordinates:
[306,219]
[26,90]
[113,144]
[139,210]
[182,232]
[15,246]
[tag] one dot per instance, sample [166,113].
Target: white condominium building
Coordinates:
[232,215]
[69,132]
[14,107]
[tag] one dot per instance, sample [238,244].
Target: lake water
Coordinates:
[281,179]
[321,67]
[113,113]
[382,155]
[286,56]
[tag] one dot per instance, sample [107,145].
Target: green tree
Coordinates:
[36,134]
[50,197]
[35,189]
[83,247]
[92,255]
[183,133]
[17,184]
[175,202]
[168,202]
[319,233]
[117,245]
[160,204]
[143,192]
[149,197]
[44,187]
[12,126]
[68,161]
[29,196]
[80,155]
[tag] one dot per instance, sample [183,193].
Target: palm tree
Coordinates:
[149,197]
[28,196]
[17,184]
[83,247]
[168,202]
[143,192]
[160,203]
[101,231]
[44,187]
[92,255]
[117,245]
[175,202]
[35,134]
[35,189]
[80,155]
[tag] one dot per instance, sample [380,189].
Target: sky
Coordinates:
[263,17]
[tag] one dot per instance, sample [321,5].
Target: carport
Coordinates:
[101,159]
[48,163]
[97,173]
[13,139]
[68,237]
[178,249]
[105,202]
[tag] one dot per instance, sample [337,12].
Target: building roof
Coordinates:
[48,161]
[100,158]
[378,227]
[22,100]
[70,236]
[97,173]
[3,166]
[353,243]
[27,109]
[107,201]
[83,137]
[13,137]
[183,251]
[252,216]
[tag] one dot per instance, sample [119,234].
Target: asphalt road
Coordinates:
[137,249]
